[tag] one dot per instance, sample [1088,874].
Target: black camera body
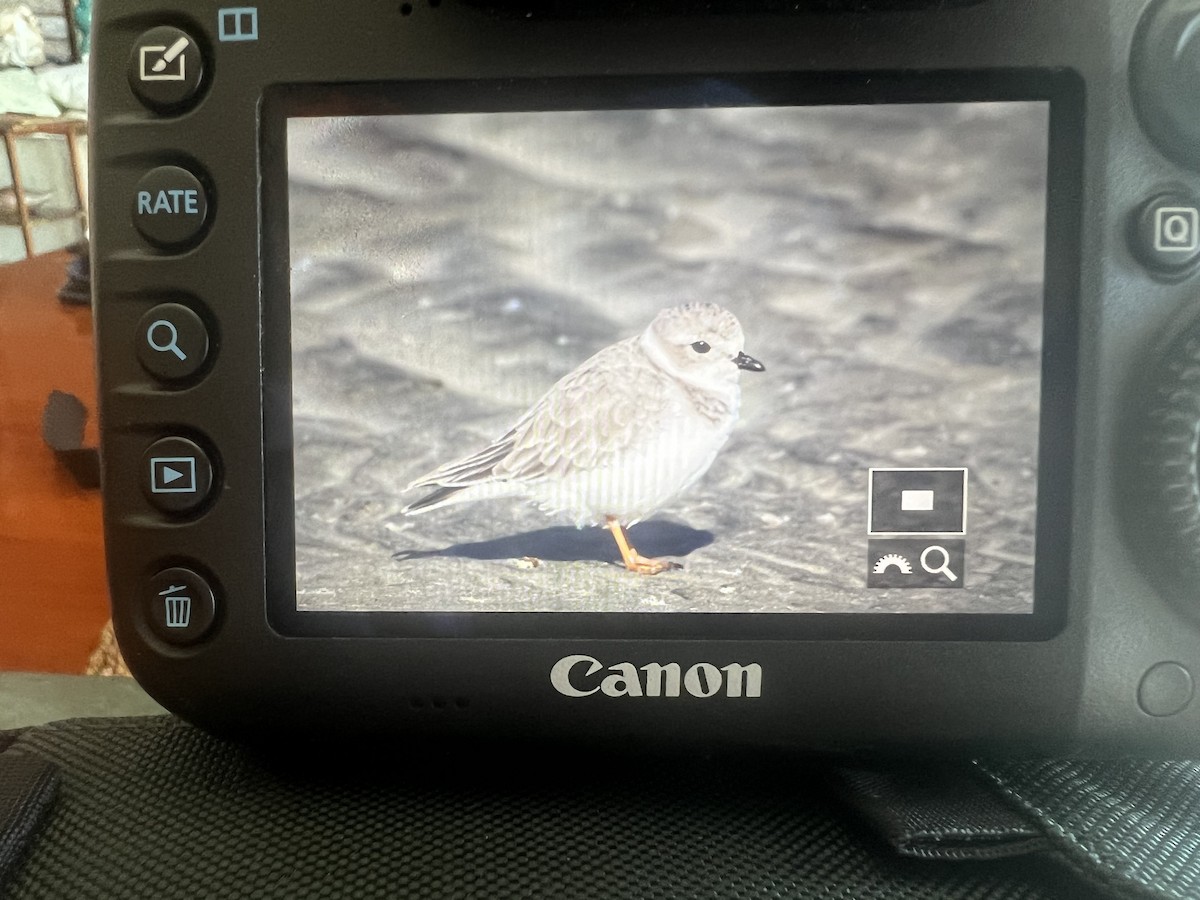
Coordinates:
[355,264]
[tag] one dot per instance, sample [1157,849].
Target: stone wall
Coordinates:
[52,18]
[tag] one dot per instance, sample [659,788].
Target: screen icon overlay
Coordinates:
[917,501]
[916,563]
[917,521]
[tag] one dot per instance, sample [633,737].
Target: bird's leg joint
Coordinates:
[633,560]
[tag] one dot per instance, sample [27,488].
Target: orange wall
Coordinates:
[53,597]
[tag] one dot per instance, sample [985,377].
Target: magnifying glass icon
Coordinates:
[944,568]
[172,344]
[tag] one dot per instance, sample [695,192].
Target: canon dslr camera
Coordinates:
[819,375]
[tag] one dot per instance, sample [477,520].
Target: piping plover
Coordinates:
[619,437]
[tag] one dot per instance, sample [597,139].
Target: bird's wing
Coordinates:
[470,470]
[589,417]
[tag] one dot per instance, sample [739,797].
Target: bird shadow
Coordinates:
[564,543]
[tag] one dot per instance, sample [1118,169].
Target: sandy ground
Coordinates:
[885,263]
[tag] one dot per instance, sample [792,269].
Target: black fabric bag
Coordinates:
[153,808]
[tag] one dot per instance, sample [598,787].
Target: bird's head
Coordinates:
[701,343]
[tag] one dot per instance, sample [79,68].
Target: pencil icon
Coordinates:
[169,57]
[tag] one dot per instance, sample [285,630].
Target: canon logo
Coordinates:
[575,676]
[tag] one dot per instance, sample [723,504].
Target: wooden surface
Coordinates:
[53,596]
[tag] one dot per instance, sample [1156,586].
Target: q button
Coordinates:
[1165,232]
[172,342]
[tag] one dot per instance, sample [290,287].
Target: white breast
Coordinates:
[669,455]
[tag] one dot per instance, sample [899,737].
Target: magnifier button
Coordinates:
[172,342]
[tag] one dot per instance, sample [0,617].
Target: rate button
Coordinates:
[170,207]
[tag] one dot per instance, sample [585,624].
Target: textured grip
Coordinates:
[1159,476]
[1176,417]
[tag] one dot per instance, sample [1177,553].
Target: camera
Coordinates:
[806,375]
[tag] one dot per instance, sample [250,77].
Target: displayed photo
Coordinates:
[705,360]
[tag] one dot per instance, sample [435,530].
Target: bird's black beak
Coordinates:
[749,363]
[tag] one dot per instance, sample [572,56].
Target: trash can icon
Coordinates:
[178,607]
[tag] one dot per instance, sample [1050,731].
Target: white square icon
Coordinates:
[916,501]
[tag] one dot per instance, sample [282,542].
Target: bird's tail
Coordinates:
[443,496]
[472,478]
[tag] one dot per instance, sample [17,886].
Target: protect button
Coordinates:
[166,69]
[1165,232]
[179,606]
[170,207]
[172,342]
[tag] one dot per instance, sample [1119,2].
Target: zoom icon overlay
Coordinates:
[916,525]
[916,563]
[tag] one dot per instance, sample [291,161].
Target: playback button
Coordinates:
[177,475]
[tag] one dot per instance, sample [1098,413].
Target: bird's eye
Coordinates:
[701,347]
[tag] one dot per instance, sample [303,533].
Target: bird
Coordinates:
[621,436]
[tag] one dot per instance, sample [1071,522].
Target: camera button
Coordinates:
[172,342]
[170,207]
[177,475]
[1166,690]
[166,69]
[1165,73]
[1165,233]
[179,606]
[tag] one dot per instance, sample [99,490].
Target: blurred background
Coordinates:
[53,596]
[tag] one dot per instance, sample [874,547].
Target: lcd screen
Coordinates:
[742,359]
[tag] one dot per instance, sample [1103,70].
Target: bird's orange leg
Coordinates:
[634,561]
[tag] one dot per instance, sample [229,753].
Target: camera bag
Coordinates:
[152,807]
